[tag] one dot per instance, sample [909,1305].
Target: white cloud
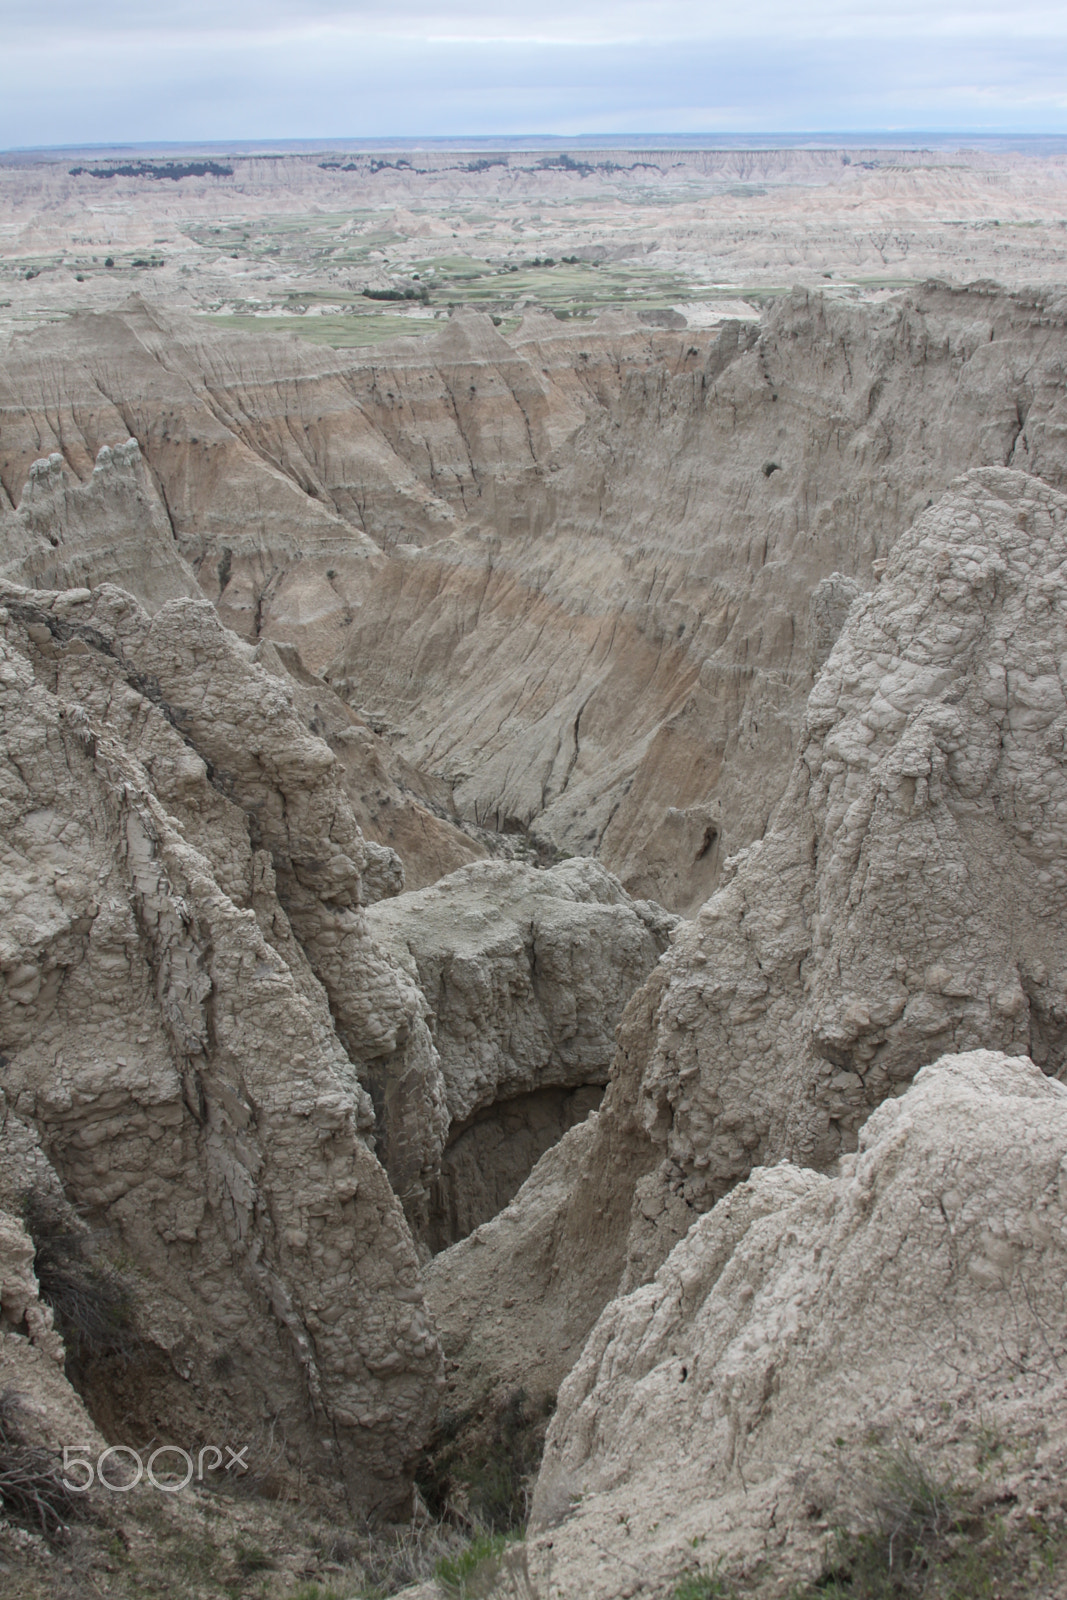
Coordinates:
[625,21]
[251,69]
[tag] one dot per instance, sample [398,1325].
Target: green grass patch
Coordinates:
[475,1570]
[341,332]
[702,1586]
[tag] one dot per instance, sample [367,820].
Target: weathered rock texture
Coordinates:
[630,641]
[571,568]
[115,528]
[525,974]
[46,1412]
[906,900]
[41,1405]
[919,1295]
[190,999]
[208,1031]
[407,813]
[111,528]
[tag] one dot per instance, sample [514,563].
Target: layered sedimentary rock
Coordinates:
[572,568]
[525,975]
[632,643]
[916,1296]
[190,998]
[113,527]
[905,901]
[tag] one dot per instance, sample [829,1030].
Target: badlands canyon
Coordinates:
[533,965]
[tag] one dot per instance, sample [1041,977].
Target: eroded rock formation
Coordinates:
[525,975]
[276,1026]
[166,1036]
[916,1296]
[209,1034]
[905,901]
[571,568]
[113,527]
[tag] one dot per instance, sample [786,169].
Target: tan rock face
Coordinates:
[168,1038]
[916,1295]
[276,1024]
[111,527]
[407,813]
[571,568]
[210,1032]
[905,901]
[634,645]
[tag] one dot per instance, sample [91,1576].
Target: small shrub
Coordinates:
[703,1585]
[91,1303]
[481,1464]
[410,1556]
[249,1558]
[913,1509]
[910,1541]
[989,1444]
[31,1484]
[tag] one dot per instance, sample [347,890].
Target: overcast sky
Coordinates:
[79,71]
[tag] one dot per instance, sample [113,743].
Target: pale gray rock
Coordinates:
[112,527]
[179,866]
[906,901]
[916,1296]
[505,1266]
[831,601]
[287,786]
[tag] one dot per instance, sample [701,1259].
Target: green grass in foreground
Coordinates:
[473,1571]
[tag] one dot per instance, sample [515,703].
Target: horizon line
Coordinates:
[727,140]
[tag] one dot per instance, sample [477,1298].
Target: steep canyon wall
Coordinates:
[569,572]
